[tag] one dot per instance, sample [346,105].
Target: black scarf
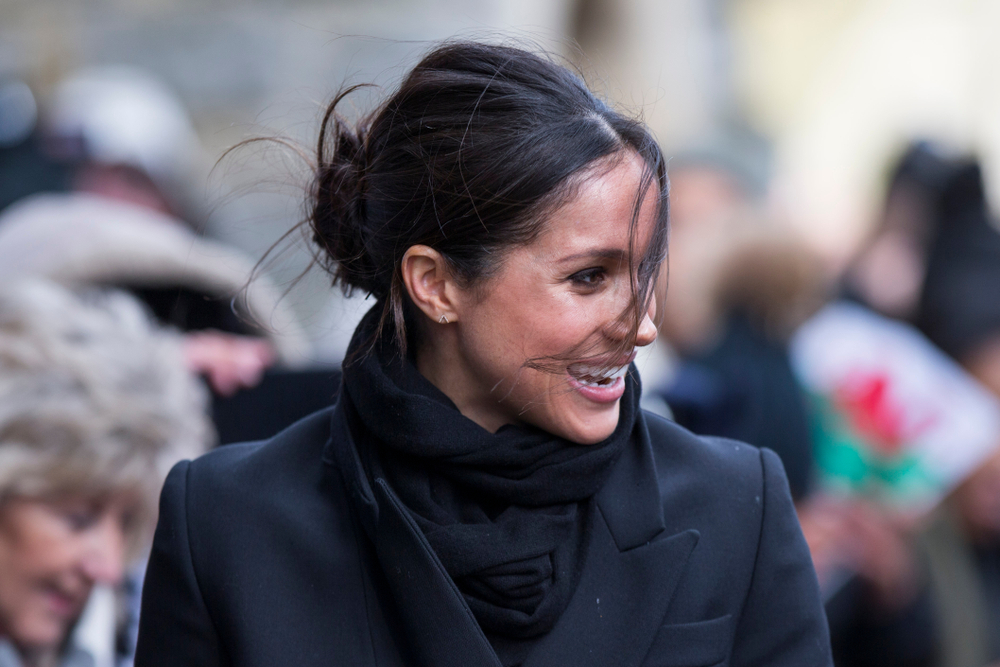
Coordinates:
[505,512]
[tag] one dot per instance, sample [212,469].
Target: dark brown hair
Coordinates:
[478,142]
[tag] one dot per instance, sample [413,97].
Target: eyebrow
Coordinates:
[597,253]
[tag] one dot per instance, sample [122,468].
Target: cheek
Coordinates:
[27,621]
[30,557]
[543,324]
[37,546]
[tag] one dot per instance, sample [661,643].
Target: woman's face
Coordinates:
[51,555]
[563,293]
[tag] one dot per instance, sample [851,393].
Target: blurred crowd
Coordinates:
[875,381]
[130,339]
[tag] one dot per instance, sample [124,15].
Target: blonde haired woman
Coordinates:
[95,405]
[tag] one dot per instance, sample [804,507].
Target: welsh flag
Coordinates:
[894,418]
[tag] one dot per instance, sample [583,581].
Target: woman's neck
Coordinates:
[437,364]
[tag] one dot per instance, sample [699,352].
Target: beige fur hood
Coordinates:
[79,239]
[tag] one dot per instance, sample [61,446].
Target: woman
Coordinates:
[95,406]
[486,491]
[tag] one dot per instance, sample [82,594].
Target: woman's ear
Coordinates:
[430,283]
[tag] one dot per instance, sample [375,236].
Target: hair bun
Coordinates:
[468,156]
[338,205]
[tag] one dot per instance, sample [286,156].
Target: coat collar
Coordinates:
[629,576]
[630,499]
[631,571]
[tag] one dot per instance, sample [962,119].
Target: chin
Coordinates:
[41,634]
[589,429]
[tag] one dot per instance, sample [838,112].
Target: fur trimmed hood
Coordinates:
[80,239]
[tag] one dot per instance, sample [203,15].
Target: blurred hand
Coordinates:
[984,363]
[977,500]
[824,526]
[867,539]
[227,361]
[882,548]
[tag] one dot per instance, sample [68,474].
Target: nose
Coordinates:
[644,335]
[104,560]
[647,329]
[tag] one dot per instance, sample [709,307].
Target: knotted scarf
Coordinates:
[504,512]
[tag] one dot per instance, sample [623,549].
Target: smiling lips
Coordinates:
[600,383]
[63,603]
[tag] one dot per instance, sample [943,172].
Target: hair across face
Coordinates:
[543,342]
[479,143]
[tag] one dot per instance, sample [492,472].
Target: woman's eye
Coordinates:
[80,519]
[588,277]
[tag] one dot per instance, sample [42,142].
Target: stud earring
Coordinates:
[443,319]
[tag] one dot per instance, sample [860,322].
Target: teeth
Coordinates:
[596,377]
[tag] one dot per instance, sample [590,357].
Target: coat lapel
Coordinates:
[619,603]
[629,576]
[440,627]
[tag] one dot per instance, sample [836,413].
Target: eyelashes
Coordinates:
[589,278]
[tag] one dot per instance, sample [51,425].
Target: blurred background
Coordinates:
[811,99]
[834,272]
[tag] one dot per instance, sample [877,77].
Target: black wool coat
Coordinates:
[262,558]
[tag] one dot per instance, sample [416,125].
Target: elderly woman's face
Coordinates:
[563,293]
[51,555]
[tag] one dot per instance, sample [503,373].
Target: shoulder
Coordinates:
[712,480]
[717,461]
[751,559]
[246,530]
[277,499]
[242,474]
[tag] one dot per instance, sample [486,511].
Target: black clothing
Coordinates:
[958,239]
[26,169]
[959,308]
[988,564]
[744,388]
[190,309]
[281,398]
[862,635]
[504,512]
[262,557]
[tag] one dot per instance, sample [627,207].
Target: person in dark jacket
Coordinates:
[486,490]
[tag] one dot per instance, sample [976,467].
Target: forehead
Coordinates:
[599,212]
